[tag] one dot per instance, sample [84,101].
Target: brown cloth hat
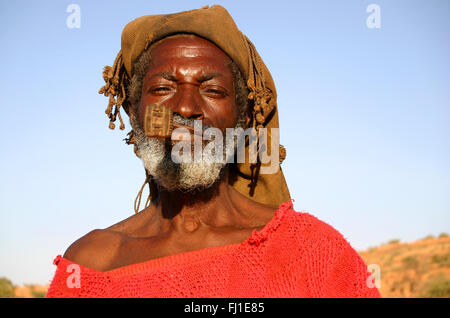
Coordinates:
[216,25]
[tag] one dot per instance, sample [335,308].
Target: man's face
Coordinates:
[193,77]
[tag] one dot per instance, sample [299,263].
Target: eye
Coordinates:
[160,90]
[215,92]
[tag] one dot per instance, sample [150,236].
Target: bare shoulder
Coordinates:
[100,248]
[95,250]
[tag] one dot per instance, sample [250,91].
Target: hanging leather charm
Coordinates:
[158,121]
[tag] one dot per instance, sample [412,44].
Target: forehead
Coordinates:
[188,49]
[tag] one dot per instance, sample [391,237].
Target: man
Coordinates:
[213,228]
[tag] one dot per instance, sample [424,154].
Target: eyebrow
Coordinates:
[166,75]
[171,76]
[208,76]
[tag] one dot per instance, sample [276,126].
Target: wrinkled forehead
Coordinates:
[189,47]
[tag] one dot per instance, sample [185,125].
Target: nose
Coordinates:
[187,102]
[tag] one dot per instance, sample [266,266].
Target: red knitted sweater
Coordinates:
[294,255]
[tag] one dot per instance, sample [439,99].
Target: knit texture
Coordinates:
[294,255]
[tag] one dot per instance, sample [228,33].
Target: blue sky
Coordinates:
[364,116]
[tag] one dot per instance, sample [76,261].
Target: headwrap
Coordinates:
[216,25]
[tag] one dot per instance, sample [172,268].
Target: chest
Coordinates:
[138,250]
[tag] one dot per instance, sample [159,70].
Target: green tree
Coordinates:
[6,288]
[437,288]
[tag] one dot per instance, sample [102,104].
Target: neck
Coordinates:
[188,211]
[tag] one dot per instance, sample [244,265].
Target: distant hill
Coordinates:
[8,290]
[414,269]
[31,291]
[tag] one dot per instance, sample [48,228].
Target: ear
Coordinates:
[131,101]
[133,114]
[135,109]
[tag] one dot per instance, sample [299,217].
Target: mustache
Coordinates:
[188,122]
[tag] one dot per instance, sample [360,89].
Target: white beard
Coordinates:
[155,154]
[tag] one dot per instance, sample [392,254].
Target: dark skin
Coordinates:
[192,76]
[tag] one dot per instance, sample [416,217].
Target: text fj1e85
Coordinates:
[236,308]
